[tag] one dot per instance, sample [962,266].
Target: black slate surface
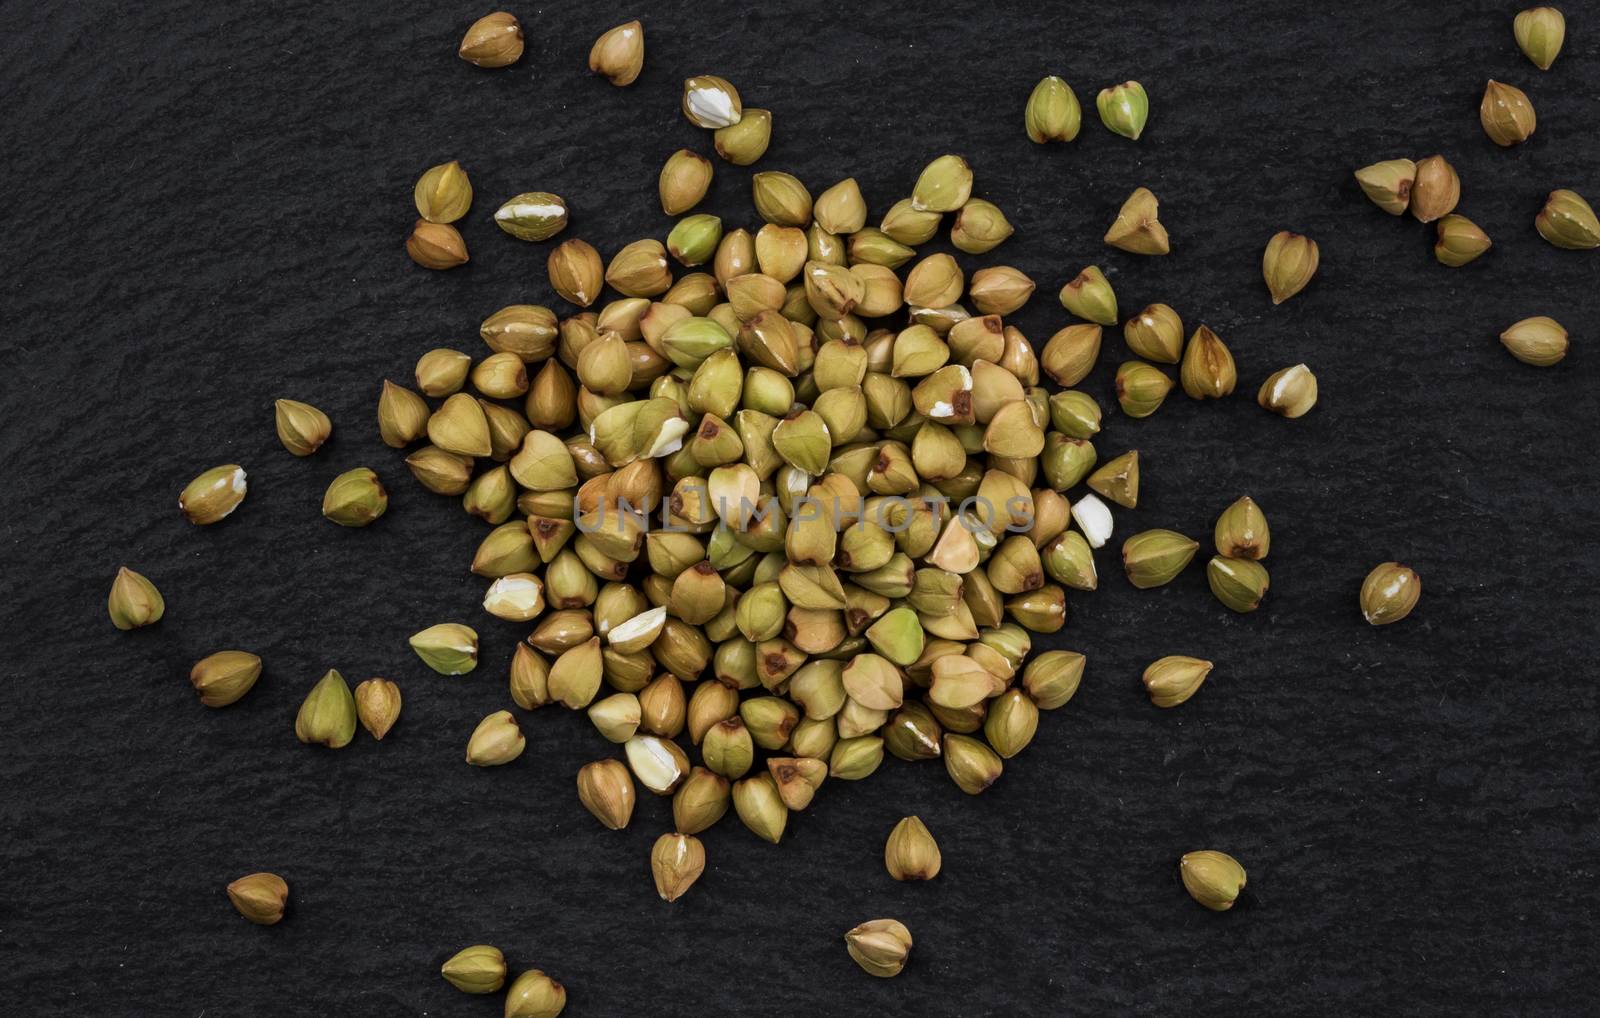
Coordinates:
[206,203]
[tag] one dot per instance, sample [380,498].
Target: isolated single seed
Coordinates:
[1506,114]
[619,53]
[1124,109]
[879,946]
[1052,112]
[1459,241]
[1539,32]
[676,862]
[1288,264]
[260,897]
[1289,392]
[1389,593]
[494,40]
[1214,879]
[222,678]
[134,601]
[1567,221]
[1538,341]
[302,428]
[477,969]
[1172,680]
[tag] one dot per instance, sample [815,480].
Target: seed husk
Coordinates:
[1153,558]
[943,186]
[1459,241]
[436,245]
[998,289]
[459,426]
[532,215]
[535,995]
[619,53]
[1289,392]
[605,788]
[640,269]
[1124,109]
[1242,532]
[260,897]
[1539,32]
[1138,228]
[213,495]
[711,102]
[797,779]
[780,198]
[934,282]
[910,852]
[443,194]
[1538,341]
[477,969]
[971,764]
[1118,479]
[1052,112]
[1389,593]
[1011,723]
[907,224]
[683,182]
[402,416]
[355,498]
[494,40]
[659,764]
[1067,559]
[448,648]
[615,717]
[1052,678]
[1435,190]
[1238,583]
[912,733]
[745,142]
[528,330]
[855,758]
[377,706]
[1071,353]
[1208,371]
[134,601]
[727,748]
[760,808]
[1090,296]
[1214,879]
[497,740]
[575,676]
[879,946]
[1155,334]
[841,210]
[1506,114]
[1389,184]
[676,862]
[1141,388]
[1288,264]
[979,227]
[328,714]
[222,678]
[700,801]
[1568,222]
[1173,679]
[441,472]
[302,428]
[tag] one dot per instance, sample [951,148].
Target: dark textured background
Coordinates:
[206,203]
